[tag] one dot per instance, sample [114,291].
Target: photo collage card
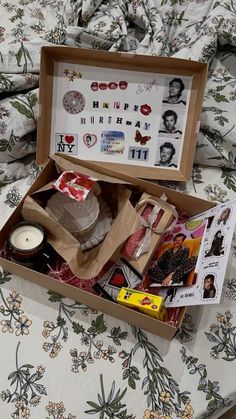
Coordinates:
[119,116]
[212,260]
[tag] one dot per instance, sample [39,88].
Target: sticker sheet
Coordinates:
[213,260]
[119,116]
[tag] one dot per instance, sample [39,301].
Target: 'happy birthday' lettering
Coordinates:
[114,120]
[115,105]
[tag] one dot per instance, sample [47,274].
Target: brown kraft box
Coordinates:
[191,206]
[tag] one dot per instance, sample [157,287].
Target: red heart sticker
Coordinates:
[69,139]
[118,279]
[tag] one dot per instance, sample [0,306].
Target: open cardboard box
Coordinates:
[150,71]
[190,204]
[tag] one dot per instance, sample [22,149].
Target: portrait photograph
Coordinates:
[174,263]
[209,290]
[224,216]
[168,154]
[216,247]
[171,124]
[175,91]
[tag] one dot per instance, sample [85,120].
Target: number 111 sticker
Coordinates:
[138,153]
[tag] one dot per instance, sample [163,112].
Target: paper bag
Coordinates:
[88,264]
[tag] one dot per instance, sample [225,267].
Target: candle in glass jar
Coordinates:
[26,243]
[26,237]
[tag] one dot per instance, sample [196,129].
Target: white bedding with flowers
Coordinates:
[60,359]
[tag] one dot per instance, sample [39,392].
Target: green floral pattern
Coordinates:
[223,335]
[122,362]
[52,346]
[210,388]
[164,27]
[26,390]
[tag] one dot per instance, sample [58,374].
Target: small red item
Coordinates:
[94,86]
[123,85]
[112,85]
[146,301]
[142,139]
[69,139]
[132,242]
[145,109]
[102,86]
[117,279]
[75,185]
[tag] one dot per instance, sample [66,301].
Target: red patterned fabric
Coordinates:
[132,242]
[75,185]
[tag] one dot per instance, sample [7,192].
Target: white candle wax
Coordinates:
[26,237]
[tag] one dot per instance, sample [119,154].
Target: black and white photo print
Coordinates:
[167,154]
[175,92]
[171,125]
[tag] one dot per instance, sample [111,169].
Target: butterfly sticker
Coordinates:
[141,139]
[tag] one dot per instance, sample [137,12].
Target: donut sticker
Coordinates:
[73,102]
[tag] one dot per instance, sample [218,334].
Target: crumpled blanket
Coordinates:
[202,30]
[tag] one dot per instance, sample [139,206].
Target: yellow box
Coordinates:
[150,304]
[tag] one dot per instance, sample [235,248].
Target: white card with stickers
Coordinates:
[119,116]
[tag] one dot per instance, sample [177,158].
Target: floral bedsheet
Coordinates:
[60,359]
[202,30]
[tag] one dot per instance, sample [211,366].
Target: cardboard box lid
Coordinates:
[122,111]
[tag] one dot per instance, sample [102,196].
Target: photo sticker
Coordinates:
[141,139]
[112,142]
[217,245]
[89,140]
[66,143]
[222,220]
[208,288]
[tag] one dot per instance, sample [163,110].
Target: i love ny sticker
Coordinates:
[66,143]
